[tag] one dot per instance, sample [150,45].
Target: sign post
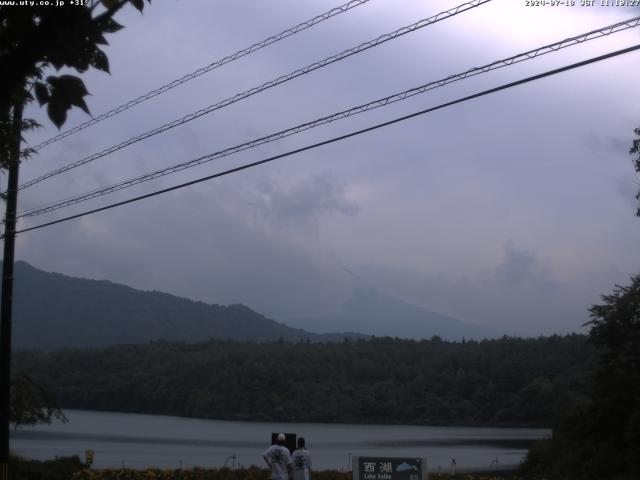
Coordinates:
[389,468]
[88,458]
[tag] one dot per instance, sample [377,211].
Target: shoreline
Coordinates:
[74,469]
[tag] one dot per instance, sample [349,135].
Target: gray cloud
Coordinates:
[304,202]
[520,268]
[266,265]
[431,202]
[520,295]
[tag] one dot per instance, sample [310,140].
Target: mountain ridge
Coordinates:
[52,310]
[380,313]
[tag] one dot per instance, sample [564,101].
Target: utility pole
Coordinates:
[7,287]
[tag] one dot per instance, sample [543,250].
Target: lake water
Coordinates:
[139,441]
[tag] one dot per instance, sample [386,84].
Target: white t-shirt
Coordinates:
[301,460]
[279,458]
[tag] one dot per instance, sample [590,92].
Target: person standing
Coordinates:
[301,460]
[278,458]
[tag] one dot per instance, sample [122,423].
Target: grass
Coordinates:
[72,468]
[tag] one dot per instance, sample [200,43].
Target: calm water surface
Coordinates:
[139,441]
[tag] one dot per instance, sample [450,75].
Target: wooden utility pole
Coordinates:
[7,288]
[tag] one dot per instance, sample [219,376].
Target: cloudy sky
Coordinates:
[513,210]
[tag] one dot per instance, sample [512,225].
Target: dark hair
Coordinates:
[301,442]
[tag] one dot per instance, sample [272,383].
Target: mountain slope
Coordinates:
[54,311]
[378,313]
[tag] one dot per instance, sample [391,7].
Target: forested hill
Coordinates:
[54,311]
[493,382]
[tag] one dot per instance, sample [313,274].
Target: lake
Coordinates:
[138,441]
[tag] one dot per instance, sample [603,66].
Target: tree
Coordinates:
[615,412]
[601,439]
[31,403]
[33,40]
[635,150]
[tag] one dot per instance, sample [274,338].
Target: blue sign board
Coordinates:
[389,468]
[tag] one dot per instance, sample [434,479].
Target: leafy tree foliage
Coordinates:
[615,413]
[31,403]
[34,39]
[493,382]
[601,438]
[635,150]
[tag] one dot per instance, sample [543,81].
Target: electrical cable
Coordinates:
[282,79]
[201,71]
[531,54]
[339,138]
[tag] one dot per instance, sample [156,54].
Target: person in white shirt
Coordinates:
[278,458]
[301,461]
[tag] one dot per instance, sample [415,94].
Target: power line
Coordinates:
[340,138]
[201,71]
[554,47]
[282,79]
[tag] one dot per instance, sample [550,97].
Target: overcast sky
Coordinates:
[513,210]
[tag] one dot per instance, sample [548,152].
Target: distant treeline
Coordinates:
[509,381]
